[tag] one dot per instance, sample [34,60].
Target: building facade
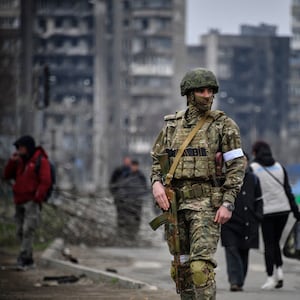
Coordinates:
[114,71]
[253,70]
[66,40]
[154,44]
[294,85]
[10,52]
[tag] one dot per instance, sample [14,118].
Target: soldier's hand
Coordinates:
[223,215]
[160,196]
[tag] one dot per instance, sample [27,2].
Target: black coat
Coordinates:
[242,229]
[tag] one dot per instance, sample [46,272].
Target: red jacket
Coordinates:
[29,185]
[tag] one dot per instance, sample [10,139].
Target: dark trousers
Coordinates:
[237,264]
[272,228]
[128,218]
[27,221]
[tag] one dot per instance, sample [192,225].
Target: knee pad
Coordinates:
[202,273]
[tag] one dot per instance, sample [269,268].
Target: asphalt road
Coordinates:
[149,265]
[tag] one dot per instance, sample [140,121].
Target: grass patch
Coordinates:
[51,226]
[8,235]
[114,280]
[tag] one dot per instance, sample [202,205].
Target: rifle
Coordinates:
[170,217]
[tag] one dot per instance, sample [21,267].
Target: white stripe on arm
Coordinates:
[232,154]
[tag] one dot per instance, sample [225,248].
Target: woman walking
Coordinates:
[278,201]
[240,233]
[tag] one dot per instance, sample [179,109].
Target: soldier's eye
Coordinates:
[200,90]
[203,89]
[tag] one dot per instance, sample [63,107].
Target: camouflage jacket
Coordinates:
[218,134]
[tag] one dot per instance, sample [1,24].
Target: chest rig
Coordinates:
[198,159]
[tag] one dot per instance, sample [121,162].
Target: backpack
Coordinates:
[52,173]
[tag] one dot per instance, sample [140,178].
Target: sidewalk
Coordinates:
[148,268]
[131,273]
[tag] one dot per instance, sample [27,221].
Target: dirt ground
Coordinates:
[30,285]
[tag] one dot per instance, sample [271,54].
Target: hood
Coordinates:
[26,141]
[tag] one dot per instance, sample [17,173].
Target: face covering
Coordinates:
[202,104]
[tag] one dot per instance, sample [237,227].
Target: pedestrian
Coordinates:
[117,186]
[240,233]
[135,190]
[29,190]
[119,173]
[278,201]
[205,199]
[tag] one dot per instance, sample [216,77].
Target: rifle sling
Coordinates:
[191,135]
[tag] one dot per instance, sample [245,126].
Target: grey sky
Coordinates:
[228,15]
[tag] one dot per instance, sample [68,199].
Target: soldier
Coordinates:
[205,198]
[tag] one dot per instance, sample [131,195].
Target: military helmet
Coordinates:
[197,78]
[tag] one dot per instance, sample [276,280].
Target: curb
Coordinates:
[49,258]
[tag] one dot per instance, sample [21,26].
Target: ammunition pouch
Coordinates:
[194,191]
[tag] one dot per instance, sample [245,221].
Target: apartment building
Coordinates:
[253,71]
[10,51]
[294,85]
[149,44]
[115,68]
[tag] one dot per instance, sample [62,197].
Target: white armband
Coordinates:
[232,154]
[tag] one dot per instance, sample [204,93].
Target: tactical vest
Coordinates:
[198,160]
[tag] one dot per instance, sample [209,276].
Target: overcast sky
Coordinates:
[228,15]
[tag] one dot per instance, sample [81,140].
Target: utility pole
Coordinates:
[25,105]
[100,120]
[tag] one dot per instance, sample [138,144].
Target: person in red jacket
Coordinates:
[30,186]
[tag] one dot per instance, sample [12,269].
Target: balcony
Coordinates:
[156,70]
[149,91]
[157,13]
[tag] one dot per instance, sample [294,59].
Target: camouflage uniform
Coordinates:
[199,196]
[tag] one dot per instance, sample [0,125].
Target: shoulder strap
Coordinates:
[198,126]
[275,178]
[38,164]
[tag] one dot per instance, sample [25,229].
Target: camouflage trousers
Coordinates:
[199,236]
[27,219]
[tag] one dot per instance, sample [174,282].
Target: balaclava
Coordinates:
[198,105]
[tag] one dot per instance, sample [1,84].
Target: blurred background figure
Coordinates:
[135,190]
[119,173]
[240,233]
[128,186]
[278,201]
[29,189]
[116,187]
